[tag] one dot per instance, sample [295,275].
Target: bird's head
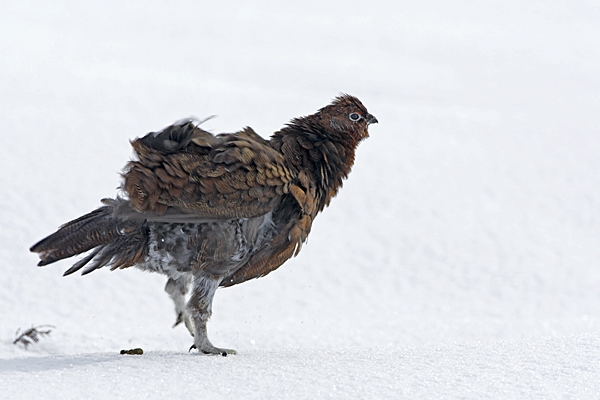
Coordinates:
[346,115]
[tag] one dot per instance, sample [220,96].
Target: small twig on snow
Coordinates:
[32,335]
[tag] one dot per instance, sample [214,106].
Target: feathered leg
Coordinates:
[200,309]
[177,289]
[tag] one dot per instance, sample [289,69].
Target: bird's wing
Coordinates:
[298,212]
[184,173]
[272,255]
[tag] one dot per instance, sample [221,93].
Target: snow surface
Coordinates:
[460,260]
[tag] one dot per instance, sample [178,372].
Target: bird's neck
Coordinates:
[326,161]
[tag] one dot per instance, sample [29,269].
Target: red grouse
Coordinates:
[216,210]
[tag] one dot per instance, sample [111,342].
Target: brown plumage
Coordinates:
[216,210]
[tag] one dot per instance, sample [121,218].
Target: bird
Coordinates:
[215,210]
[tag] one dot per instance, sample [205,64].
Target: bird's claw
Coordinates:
[215,351]
[178,320]
[184,317]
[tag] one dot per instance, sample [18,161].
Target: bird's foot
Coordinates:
[212,350]
[184,317]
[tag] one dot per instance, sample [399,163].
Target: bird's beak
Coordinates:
[372,120]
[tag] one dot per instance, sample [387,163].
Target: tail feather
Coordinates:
[114,242]
[81,263]
[76,237]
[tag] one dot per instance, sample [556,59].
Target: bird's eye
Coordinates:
[355,117]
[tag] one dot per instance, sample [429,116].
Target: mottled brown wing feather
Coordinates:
[285,245]
[218,177]
[288,242]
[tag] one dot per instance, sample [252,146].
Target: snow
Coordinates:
[460,260]
[527,369]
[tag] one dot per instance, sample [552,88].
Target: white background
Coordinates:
[460,260]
